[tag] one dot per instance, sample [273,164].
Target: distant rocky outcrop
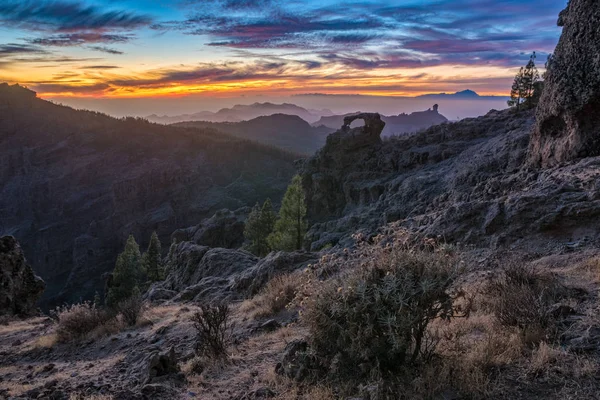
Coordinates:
[345,156]
[394,124]
[20,288]
[568,114]
[74,184]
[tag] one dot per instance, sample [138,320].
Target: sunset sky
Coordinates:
[228,48]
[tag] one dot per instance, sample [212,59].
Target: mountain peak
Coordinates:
[466,93]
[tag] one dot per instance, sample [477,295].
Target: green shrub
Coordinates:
[373,321]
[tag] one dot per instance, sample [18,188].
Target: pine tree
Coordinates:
[128,273]
[153,261]
[526,88]
[259,225]
[97,301]
[290,227]
[531,77]
[516,91]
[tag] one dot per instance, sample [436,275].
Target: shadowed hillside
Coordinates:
[288,132]
[74,184]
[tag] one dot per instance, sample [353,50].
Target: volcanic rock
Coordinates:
[568,114]
[20,287]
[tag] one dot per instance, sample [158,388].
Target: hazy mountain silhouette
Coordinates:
[289,132]
[242,112]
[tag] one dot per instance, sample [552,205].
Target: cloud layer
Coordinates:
[367,46]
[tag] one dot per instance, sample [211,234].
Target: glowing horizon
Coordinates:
[232,48]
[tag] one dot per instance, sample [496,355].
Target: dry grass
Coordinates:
[274,297]
[46,341]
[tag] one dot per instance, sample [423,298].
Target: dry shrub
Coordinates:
[371,323]
[543,357]
[132,309]
[522,297]
[274,297]
[213,330]
[78,320]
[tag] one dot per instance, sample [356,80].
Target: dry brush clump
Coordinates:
[132,309]
[277,294]
[524,297]
[79,320]
[213,330]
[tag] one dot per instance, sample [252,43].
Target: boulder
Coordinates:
[200,273]
[155,367]
[224,229]
[20,287]
[568,114]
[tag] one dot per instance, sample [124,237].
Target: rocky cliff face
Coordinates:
[568,115]
[20,288]
[75,184]
[463,181]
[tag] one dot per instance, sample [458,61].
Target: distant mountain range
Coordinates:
[394,124]
[463,95]
[242,112]
[289,132]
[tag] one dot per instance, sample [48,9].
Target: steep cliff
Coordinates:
[20,288]
[568,115]
[74,184]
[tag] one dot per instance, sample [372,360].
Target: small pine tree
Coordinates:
[97,300]
[153,261]
[516,91]
[128,273]
[290,227]
[259,225]
[523,90]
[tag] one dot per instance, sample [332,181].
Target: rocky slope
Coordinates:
[464,181]
[74,184]
[20,287]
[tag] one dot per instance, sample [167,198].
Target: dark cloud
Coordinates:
[99,67]
[65,88]
[209,72]
[107,50]
[76,39]
[66,16]
[11,49]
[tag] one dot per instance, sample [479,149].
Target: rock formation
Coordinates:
[394,124]
[568,114]
[326,176]
[20,288]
